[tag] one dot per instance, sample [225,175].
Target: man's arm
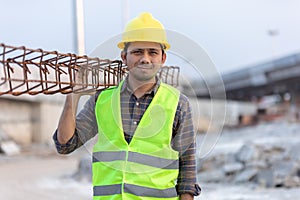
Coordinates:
[76,130]
[184,142]
[67,122]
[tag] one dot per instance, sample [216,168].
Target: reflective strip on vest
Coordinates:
[135,190]
[108,156]
[107,190]
[137,158]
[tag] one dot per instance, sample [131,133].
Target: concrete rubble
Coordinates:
[265,155]
[8,146]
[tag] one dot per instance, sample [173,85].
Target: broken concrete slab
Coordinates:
[246,175]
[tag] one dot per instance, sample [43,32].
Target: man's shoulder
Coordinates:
[183,98]
[98,92]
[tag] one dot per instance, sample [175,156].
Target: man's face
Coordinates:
[143,60]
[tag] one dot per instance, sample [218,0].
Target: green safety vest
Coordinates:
[147,167]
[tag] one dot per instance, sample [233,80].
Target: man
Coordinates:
[146,140]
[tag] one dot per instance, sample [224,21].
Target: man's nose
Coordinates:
[145,59]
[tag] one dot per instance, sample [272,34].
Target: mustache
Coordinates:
[148,66]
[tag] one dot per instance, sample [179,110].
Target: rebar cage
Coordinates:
[35,71]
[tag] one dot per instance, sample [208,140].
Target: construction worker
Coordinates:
[146,141]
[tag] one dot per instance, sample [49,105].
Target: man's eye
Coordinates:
[137,52]
[153,52]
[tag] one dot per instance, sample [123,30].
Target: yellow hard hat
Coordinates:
[144,28]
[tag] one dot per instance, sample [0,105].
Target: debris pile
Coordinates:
[7,145]
[265,155]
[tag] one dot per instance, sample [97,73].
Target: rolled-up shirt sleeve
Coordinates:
[69,147]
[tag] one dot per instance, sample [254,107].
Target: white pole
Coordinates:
[125,9]
[79,30]
[79,39]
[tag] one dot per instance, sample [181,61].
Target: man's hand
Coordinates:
[81,81]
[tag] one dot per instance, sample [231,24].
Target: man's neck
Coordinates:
[139,88]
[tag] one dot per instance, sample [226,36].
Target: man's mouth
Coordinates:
[145,66]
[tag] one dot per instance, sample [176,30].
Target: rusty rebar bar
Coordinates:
[35,71]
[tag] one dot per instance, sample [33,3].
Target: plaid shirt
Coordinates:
[132,110]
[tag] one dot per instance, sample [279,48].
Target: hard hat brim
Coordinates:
[121,45]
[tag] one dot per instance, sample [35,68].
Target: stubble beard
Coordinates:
[145,72]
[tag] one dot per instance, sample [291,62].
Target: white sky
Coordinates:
[234,33]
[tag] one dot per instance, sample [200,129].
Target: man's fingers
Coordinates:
[81,81]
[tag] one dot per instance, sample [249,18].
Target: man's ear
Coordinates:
[123,56]
[164,57]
